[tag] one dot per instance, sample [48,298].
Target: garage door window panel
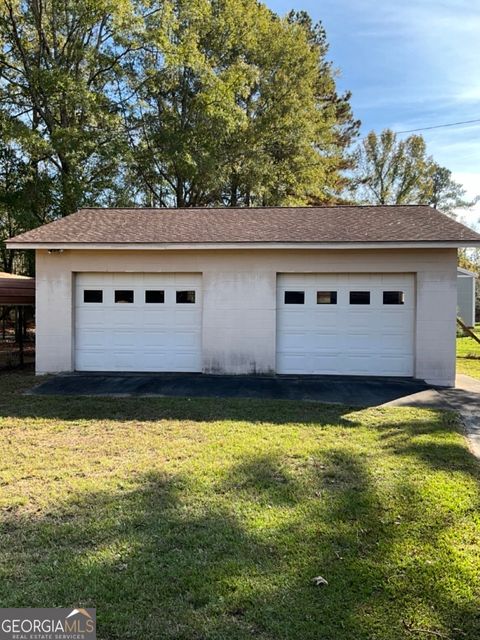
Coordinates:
[93,296]
[326,297]
[124,296]
[360,297]
[294,297]
[154,297]
[393,297]
[185,297]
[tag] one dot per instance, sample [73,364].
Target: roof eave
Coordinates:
[62,246]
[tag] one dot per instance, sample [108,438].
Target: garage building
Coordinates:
[286,290]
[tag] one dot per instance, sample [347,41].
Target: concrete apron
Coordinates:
[465,399]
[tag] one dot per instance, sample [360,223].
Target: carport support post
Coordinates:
[20,334]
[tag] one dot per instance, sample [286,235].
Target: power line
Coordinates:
[440,126]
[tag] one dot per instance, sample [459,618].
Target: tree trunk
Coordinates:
[69,203]
[233,191]
[179,193]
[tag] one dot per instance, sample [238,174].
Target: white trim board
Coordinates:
[150,246]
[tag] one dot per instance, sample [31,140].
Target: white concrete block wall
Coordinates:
[436,326]
[239,300]
[53,317]
[239,311]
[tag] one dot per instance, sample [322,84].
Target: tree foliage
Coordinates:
[59,129]
[390,170]
[164,102]
[182,103]
[236,106]
[56,69]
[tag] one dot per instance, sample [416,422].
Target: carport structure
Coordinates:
[16,292]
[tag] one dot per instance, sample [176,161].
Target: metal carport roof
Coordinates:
[16,290]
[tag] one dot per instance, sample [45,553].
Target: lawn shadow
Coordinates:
[264,479]
[151,562]
[431,443]
[161,559]
[356,543]
[162,556]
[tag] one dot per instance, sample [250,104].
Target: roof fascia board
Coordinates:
[465,273]
[150,246]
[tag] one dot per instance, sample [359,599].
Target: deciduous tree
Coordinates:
[390,170]
[234,105]
[57,60]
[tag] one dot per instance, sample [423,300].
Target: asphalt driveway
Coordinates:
[349,390]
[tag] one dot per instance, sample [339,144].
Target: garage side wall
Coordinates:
[239,300]
[53,314]
[435,351]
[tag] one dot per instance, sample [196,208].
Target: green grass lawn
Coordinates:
[468,355]
[208,519]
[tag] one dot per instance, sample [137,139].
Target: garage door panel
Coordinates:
[124,360]
[344,338]
[359,281]
[186,339]
[394,365]
[393,342]
[90,360]
[317,341]
[355,364]
[360,319]
[139,336]
[292,363]
[296,321]
[293,341]
[161,321]
[90,316]
[184,321]
[325,326]
[124,339]
[318,320]
[155,320]
[327,362]
[91,338]
[390,321]
[125,316]
[153,361]
[153,336]
[356,341]
[184,361]
[325,340]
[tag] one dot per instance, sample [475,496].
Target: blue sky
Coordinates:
[409,64]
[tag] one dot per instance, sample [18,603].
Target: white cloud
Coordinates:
[471,183]
[444,37]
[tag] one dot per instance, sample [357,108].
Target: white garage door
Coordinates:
[355,324]
[137,322]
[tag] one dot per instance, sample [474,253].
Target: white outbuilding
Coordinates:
[274,290]
[466,281]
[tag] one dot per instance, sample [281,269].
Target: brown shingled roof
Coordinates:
[340,224]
